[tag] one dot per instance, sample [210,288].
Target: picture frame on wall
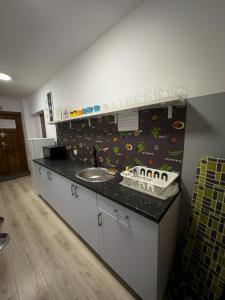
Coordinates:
[49,107]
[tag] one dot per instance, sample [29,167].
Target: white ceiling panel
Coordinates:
[39,37]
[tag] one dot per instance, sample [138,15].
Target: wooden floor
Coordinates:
[44,260]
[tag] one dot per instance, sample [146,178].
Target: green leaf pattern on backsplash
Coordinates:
[116,150]
[166,167]
[155,132]
[175,153]
[108,160]
[137,161]
[140,147]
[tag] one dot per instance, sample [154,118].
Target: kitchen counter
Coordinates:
[145,205]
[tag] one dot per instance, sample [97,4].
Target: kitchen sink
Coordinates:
[95,174]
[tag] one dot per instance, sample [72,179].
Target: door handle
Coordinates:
[72,190]
[99,219]
[75,191]
[40,170]
[4,144]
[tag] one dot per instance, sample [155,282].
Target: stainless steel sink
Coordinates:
[95,175]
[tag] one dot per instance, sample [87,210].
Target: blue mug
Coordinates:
[89,109]
[84,110]
[96,108]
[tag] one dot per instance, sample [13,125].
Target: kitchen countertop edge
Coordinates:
[153,218]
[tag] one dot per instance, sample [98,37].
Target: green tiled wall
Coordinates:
[204,252]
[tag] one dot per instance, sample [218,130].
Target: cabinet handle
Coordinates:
[76,193]
[49,176]
[72,190]
[40,170]
[99,219]
[120,216]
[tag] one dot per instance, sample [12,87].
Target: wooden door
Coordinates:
[12,146]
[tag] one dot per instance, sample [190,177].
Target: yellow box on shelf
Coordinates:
[76,113]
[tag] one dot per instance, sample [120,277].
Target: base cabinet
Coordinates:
[51,188]
[66,201]
[88,217]
[138,249]
[58,192]
[32,168]
[74,203]
[41,177]
[130,254]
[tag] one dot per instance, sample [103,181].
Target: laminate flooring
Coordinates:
[44,259]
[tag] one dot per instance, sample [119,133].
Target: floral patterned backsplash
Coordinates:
[159,142]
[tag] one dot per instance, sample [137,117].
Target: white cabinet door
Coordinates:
[46,185]
[34,179]
[52,196]
[88,217]
[60,193]
[132,255]
[67,200]
[41,178]
[38,178]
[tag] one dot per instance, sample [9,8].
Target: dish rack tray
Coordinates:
[150,181]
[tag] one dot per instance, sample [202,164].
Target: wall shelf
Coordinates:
[156,103]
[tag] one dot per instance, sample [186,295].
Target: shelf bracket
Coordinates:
[89,122]
[115,119]
[170,112]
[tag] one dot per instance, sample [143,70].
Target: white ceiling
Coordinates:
[38,37]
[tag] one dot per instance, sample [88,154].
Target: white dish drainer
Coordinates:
[150,181]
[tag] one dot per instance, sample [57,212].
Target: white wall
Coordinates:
[9,104]
[29,125]
[32,121]
[161,43]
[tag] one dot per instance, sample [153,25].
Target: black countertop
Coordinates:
[145,205]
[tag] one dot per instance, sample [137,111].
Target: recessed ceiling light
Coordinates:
[5,77]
